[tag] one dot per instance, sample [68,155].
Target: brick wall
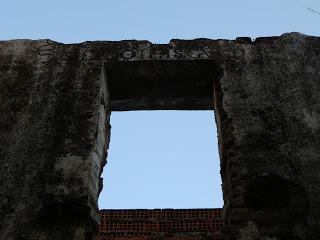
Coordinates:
[142,224]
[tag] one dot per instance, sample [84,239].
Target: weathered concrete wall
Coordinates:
[268,110]
[55,104]
[54,133]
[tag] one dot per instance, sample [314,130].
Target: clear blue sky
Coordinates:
[158,159]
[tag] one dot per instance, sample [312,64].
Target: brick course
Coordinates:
[139,224]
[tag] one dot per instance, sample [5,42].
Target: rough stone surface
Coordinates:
[53,141]
[55,102]
[268,113]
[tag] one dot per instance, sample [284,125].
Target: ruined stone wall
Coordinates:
[54,128]
[56,101]
[268,110]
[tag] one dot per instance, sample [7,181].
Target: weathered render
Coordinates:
[55,103]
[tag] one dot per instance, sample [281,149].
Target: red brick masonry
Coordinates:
[138,224]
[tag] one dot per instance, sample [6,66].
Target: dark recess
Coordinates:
[161,85]
[276,200]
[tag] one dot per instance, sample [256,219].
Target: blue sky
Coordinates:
[160,159]
[158,21]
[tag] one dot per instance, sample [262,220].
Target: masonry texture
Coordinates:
[55,103]
[174,224]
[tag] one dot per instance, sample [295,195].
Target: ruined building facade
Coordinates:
[56,100]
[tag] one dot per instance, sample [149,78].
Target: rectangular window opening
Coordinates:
[162,165]
[162,159]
